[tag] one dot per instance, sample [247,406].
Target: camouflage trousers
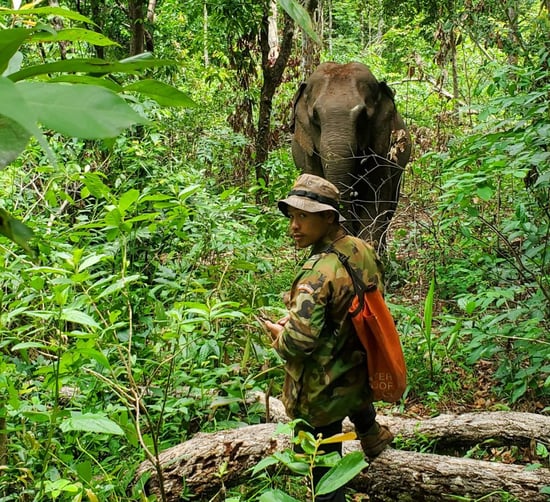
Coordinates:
[362,421]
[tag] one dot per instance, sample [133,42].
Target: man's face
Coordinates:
[308,228]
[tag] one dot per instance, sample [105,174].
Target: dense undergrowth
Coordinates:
[134,329]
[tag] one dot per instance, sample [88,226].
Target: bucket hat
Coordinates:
[312,194]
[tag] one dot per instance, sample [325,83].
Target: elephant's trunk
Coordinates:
[338,151]
[341,128]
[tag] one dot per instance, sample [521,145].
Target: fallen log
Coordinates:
[449,431]
[199,462]
[429,477]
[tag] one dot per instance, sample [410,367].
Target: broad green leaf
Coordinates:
[118,285]
[37,416]
[276,496]
[89,261]
[327,459]
[29,345]
[13,140]
[264,464]
[73,35]
[90,422]
[16,231]
[15,108]
[485,192]
[78,317]
[162,93]
[97,356]
[14,63]
[10,41]
[295,466]
[143,217]
[83,111]
[345,470]
[543,179]
[47,11]
[85,79]
[96,187]
[89,65]
[127,199]
[301,18]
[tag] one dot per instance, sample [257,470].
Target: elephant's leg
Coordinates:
[375,205]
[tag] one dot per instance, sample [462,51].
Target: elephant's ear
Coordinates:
[295,100]
[383,120]
[385,89]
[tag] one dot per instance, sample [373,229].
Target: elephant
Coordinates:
[346,129]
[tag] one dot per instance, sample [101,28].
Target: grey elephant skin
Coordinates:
[347,130]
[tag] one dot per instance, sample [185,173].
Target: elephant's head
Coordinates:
[344,121]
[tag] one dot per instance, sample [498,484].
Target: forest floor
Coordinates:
[475,389]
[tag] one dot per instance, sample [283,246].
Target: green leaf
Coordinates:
[97,356]
[162,93]
[85,79]
[10,41]
[428,311]
[89,261]
[90,422]
[276,496]
[89,65]
[16,109]
[95,186]
[118,285]
[13,140]
[73,35]
[345,470]
[127,199]
[16,231]
[78,317]
[29,345]
[297,467]
[485,192]
[264,464]
[301,18]
[48,11]
[83,111]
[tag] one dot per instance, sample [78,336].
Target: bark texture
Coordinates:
[396,475]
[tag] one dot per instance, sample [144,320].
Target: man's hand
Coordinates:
[274,329]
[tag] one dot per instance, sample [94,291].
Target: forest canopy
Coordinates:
[143,148]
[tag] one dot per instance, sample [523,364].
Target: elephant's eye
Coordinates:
[315,120]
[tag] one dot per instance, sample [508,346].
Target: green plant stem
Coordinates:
[53,415]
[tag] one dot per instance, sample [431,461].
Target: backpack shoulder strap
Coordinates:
[358,284]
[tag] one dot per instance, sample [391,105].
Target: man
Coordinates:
[325,363]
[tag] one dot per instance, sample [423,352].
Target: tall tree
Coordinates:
[272,71]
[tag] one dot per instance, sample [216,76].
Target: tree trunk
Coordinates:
[310,51]
[394,475]
[272,77]
[149,40]
[136,14]
[404,475]
[97,8]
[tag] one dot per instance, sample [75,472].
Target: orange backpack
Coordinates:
[376,330]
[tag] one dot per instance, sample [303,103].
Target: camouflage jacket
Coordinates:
[325,364]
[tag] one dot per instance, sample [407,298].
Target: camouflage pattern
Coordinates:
[326,375]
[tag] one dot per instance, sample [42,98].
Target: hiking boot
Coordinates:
[375,440]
